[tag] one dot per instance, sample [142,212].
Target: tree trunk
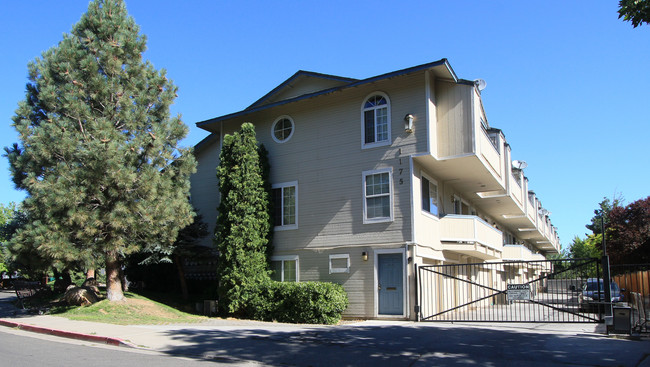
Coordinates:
[65,276]
[124,281]
[181,277]
[90,273]
[113,282]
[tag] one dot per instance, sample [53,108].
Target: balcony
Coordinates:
[470,235]
[474,160]
[519,253]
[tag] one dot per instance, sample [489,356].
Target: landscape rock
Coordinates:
[78,296]
[92,284]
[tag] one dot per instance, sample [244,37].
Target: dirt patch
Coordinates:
[146,307]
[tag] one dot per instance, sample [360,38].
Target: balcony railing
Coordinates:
[471,235]
[520,252]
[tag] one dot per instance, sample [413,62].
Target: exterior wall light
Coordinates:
[408,123]
[364,256]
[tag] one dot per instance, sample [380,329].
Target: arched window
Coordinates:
[376,120]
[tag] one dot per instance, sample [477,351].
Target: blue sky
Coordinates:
[567,81]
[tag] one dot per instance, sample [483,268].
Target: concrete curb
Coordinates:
[68,334]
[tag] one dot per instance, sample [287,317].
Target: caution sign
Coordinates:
[518,292]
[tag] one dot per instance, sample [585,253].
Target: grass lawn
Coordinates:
[135,310]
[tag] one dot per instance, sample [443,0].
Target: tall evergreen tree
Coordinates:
[243,220]
[265,168]
[99,158]
[6,216]
[602,214]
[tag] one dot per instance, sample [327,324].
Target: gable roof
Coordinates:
[440,67]
[302,78]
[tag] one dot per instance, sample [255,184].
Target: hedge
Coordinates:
[302,303]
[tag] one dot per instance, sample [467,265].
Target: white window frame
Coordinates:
[282,259]
[435,182]
[282,185]
[365,145]
[367,220]
[339,270]
[293,129]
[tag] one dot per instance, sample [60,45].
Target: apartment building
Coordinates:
[374,176]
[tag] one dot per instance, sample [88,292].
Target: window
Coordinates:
[282,129]
[285,205]
[340,263]
[284,268]
[429,196]
[376,120]
[377,191]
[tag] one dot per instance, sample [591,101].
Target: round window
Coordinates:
[282,129]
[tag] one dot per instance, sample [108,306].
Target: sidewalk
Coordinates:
[166,337]
[365,343]
[151,337]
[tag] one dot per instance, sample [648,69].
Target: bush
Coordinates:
[302,303]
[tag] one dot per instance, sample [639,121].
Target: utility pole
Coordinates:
[606,275]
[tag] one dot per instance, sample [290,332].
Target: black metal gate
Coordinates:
[517,291]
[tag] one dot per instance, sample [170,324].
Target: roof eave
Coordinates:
[445,72]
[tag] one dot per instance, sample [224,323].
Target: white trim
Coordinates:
[282,186]
[388,141]
[364,174]
[435,182]
[404,281]
[411,193]
[473,124]
[288,258]
[293,129]
[339,270]
[487,136]
[427,100]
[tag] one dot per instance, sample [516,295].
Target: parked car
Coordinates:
[593,295]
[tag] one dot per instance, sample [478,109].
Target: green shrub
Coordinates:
[303,303]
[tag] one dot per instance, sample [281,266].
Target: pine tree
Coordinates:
[99,158]
[242,222]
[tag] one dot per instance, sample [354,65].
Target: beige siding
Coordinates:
[455,135]
[204,190]
[325,156]
[432,117]
[358,283]
[427,226]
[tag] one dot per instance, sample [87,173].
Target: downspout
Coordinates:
[412,242]
[411,199]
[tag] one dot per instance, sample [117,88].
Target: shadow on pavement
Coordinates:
[407,346]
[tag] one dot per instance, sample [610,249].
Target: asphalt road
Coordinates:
[372,344]
[21,349]
[413,345]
